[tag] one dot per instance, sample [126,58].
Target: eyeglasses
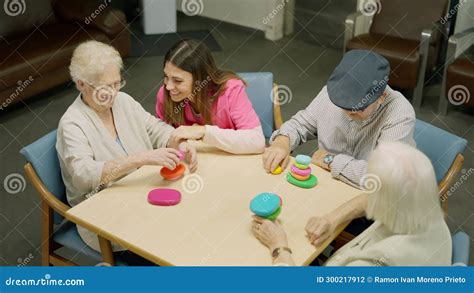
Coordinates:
[116,85]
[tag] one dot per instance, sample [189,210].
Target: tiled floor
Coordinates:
[300,65]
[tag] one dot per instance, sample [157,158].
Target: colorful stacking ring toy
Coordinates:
[266,205]
[301,172]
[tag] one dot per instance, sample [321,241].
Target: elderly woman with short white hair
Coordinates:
[409,227]
[106,134]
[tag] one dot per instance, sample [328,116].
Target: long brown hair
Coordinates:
[208,80]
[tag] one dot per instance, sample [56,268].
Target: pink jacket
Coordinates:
[235,126]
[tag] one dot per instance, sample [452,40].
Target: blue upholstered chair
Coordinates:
[445,150]
[263,94]
[44,173]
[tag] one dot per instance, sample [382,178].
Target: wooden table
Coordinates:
[212,224]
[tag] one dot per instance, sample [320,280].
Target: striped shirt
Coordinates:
[351,141]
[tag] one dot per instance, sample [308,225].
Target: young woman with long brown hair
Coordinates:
[205,102]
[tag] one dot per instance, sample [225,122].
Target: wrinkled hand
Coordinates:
[190,155]
[319,229]
[270,234]
[195,132]
[167,157]
[277,154]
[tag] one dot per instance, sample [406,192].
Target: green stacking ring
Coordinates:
[299,166]
[310,182]
[273,216]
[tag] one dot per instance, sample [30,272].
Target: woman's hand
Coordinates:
[271,234]
[319,229]
[167,157]
[195,132]
[190,155]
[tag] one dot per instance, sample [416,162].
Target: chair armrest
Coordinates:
[52,201]
[97,14]
[278,121]
[350,24]
[459,43]
[450,176]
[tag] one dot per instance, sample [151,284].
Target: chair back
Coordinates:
[43,157]
[406,19]
[440,146]
[260,92]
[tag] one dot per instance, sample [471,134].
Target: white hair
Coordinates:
[407,199]
[90,59]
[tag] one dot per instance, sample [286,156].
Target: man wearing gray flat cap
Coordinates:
[350,116]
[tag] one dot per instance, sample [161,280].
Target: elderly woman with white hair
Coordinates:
[409,228]
[105,134]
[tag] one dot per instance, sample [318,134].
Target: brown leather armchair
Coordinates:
[458,78]
[409,34]
[37,58]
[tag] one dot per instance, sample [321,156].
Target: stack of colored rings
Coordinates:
[300,174]
[266,205]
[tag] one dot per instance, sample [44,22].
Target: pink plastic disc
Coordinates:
[300,172]
[181,155]
[164,197]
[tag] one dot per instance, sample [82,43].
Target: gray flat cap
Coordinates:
[359,80]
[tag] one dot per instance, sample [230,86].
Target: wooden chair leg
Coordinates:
[342,239]
[46,233]
[106,250]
